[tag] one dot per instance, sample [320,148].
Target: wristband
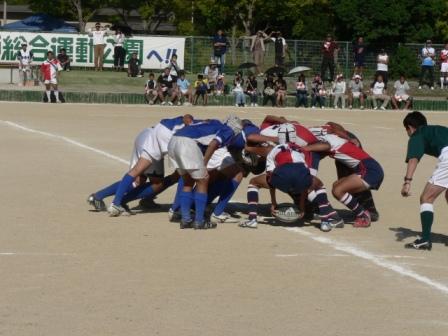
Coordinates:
[407,179]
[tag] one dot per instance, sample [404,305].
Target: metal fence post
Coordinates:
[295,53]
[191,54]
[346,60]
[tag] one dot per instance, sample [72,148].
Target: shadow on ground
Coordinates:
[402,233]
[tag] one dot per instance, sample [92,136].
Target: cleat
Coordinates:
[148,204]
[362,221]
[336,222]
[419,244]
[222,218]
[174,216]
[115,210]
[98,204]
[374,215]
[325,226]
[186,224]
[201,225]
[250,223]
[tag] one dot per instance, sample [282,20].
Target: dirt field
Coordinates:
[69,271]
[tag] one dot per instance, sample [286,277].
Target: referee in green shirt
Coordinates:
[431,140]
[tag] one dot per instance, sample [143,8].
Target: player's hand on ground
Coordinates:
[274,210]
[406,190]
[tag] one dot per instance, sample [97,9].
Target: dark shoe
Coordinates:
[419,244]
[97,204]
[374,215]
[186,224]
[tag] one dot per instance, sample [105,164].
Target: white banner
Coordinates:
[154,51]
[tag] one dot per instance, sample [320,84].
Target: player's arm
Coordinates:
[261,151]
[273,200]
[338,130]
[212,147]
[318,147]
[258,138]
[410,170]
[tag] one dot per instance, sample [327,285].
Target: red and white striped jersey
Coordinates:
[50,69]
[349,154]
[304,136]
[444,56]
[324,133]
[283,154]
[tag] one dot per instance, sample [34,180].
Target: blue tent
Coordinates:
[41,22]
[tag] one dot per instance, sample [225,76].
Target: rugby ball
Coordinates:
[288,214]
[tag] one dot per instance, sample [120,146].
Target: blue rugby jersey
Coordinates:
[240,140]
[173,124]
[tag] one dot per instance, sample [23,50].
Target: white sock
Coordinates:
[49,96]
[442,80]
[56,94]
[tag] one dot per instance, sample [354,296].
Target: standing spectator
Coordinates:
[318,92]
[238,89]
[382,65]
[134,66]
[329,52]
[99,42]
[49,70]
[359,51]
[151,89]
[301,91]
[251,90]
[355,88]
[428,54]
[212,73]
[280,48]
[119,52]
[64,59]
[184,89]
[280,86]
[167,87]
[339,88]
[378,92]
[443,66]
[258,50]
[25,58]
[401,93]
[220,43]
[269,90]
[174,67]
[200,87]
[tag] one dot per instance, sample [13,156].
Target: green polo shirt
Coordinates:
[428,140]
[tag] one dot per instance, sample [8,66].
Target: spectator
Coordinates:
[428,54]
[98,36]
[359,51]
[212,72]
[119,52]
[329,52]
[444,66]
[201,87]
[258,50]
[134,66]
[356,91]
[280,48]
[151,89]
[339,88]
[184,89]
[251,90]
[269,90]
[25,58]
[280,87]
[238,89]
[401,93]
[220,86]
[301,91]
[378,92]
[64,59]
[219,49]
[382,65]
[167,87]
[318,92]
[174,67]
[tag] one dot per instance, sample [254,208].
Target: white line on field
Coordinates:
[337,245]
[383,128]
[377,260]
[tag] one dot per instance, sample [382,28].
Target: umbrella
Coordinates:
[275,70]
[247,65]
[299,69]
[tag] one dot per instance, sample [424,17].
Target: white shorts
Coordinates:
[162,136]
[146,147]
[51,81]
[444,67]
[440,175]
[186,157]
[184,92]
[402,98]
[220,159]
[356,94]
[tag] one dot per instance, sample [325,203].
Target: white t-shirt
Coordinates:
[401,89]
[378,88]
[280,38]
[98,36]
[382,66]
[428,60]
[119,40]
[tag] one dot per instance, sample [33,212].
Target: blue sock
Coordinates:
[125,185]
[186,200]
[142,191]
[214,190]
[227,192]
[108,191]
[176,203]
[200,201]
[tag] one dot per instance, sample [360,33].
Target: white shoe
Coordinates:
[313,107]
[382,108]
[419,87]
[322,107]
[115,210]
[350,107]
[255,105]
[170,103]
[335,107]
[236,105]
[222,218]
[163,103]
[432,87]
[362,107]
[375,108]
[325,226]
[250,223]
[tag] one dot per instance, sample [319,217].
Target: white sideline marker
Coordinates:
[339,246]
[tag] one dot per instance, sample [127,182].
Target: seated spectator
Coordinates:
[339,88]
[184,90]
[378,92]
[238,90]
[269,90]
[151,89]
[200,90]
[211,72]
[318,92]
[251,90]
[280,86]
[167,87]
[174,67]
[355,88]
[220,86]
[402,88]
[64,60]
[134,66]
[301,91]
